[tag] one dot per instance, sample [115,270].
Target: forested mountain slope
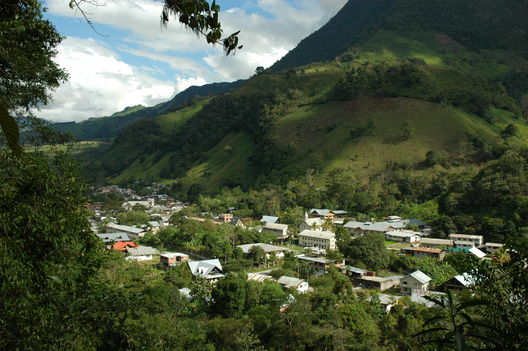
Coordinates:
[420,81]
[109,127]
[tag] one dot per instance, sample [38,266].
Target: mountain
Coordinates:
[419,78]
[109,127]
[350,23]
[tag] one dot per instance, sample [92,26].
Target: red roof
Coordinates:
[123,245]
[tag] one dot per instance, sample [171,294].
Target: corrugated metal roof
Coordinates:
[142,251]
[266,247]
[317,234]
[289,282]
[420,276]
[269,219]
[275,226]
[125,228]
[111,237]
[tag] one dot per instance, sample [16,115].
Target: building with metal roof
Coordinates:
[113,237]
[207,269]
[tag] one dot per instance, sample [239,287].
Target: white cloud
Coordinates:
[101,84]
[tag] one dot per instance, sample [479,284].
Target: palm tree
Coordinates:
[453,326]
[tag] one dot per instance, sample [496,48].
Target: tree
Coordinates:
[257,254]
[27,72]
[453,326]
[369,251]
[50,257]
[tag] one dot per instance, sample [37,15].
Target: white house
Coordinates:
[417,280]
[478,240]
[407,236]
[267,248]
[294,283]
[313,238]
[141,253]
[207,269]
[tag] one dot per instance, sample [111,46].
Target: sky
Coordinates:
[131,60]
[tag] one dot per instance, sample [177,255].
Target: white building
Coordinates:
[141,253]
[407,236]
[294,283]
[478,240]
[313,238]
[417,280]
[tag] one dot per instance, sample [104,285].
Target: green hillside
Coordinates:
[109,127]
[407,88]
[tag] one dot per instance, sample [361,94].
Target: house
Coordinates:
[132,232]
[113,237]
[311,224]
[321,213]
[386,301]
[319,264]
[186,293]
[492,247]
[129,205]
[210,270]
[464,244]
[478,240]
[237,222]
[269,219]
[173,258]
[313,238]
[423,252]
[123,245]
[225,217]
[361,228]
[390,223]
[407,236]
[267,248]
[154,226]
[436,243]
[141,253]
[378,283]
[354,272]
[458,283]
[279,230]
[293,283]
[417,280]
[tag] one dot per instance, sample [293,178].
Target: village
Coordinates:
[313,245]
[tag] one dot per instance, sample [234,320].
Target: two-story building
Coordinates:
[417,280]
[321,239]
[279,230]
[477,240]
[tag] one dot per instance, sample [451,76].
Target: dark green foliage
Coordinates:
[479,24]
[510,130]
[493,202]
[368,130]
[408,79]
[27,72]
[368,251]
[49,254]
